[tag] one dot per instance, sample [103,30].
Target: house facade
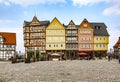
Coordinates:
[7,45]
[85,39]
[117,47]
[65,41]
[35,35]
[101,39]
[55,38]
[71,40]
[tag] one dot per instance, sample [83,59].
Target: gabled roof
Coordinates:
[85,21]
[45,23]
[66,26]
[71,22]
[35,19]
[117,43]
[100,29]
[9,38]
[55,21]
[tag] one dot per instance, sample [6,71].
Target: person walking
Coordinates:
[109,57]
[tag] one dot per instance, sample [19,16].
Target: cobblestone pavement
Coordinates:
[61,71]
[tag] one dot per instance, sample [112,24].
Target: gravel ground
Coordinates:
[61,71]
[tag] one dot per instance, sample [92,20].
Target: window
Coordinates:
[88,46]
[88,38]
[97,45]
[104,38]
[89,31]
[74,38]
[27,34]
[61,45]
[49,45]
[96,27]
[104,45]
[1,45]
[8,46]
[100,45]
[100,38]
[85,31]
[69,39]
[4,46]
[83,46]
[85,25]
[74,45]
[96,38]
[68,45]
[55,25]
[68,32]
[1,39]
[83,38]
[74,32]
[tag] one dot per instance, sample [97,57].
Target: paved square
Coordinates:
[61,71]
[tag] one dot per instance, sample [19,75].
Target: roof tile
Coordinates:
[9,38]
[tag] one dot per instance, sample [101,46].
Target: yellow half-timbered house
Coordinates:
[55,38]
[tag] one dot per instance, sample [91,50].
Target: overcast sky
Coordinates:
[14,12]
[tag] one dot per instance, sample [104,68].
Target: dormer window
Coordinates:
[2,39]
[98,27]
